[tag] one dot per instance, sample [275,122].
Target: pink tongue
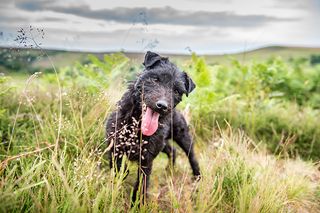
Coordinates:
[149,123]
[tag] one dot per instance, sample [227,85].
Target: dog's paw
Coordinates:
[196,183]
[196,178]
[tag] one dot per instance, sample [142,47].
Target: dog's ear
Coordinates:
[189,84]
[151,59]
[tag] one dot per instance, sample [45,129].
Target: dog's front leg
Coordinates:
[116,164]
[142,182]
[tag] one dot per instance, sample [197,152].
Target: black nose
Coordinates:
[163,105]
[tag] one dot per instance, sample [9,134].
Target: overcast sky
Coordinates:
[204,26]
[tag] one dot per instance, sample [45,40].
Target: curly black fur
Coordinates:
[160,81]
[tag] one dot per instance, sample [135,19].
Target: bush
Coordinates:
[274,102]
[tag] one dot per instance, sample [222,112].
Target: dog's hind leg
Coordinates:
[171,153]
[185,142]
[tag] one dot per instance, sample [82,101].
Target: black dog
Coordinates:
[146,119]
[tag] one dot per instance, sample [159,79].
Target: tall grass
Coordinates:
[237,176]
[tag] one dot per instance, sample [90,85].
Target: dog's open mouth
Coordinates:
[149,124]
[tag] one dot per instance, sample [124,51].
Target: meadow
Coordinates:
[255,124]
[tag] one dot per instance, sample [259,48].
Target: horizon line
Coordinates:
[232,52]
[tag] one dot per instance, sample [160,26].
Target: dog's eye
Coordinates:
[177,92]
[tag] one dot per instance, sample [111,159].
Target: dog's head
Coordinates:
[161,86]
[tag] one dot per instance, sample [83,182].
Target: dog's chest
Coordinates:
[130,142]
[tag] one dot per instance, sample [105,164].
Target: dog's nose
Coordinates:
[163,105]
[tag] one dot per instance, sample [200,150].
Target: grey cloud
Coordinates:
[295,4]
[5,20]
[50,19]
[163,15]
[10,20]
[32,5]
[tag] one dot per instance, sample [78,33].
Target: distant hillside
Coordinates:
[284,52]
[265,53]
[31,59]
[256,54]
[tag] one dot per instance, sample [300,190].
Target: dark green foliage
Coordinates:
[314,59]
[14,60]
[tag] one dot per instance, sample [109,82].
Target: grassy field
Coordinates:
[255,124]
